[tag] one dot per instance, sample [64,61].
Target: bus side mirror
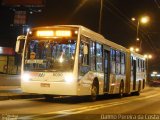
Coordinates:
[20,44]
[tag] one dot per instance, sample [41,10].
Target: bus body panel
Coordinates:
[85,83]
[54,88]
[140,73]
[115,81]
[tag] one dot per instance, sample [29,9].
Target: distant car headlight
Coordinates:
[26,77]
[69,78]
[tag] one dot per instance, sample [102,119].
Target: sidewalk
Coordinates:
[14,92]
[10,88]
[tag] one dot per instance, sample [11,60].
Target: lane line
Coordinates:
[68,112]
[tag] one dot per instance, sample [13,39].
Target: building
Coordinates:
[8,62]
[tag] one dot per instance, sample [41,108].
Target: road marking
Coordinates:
[73,111]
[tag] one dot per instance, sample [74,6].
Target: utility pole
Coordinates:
[100,17]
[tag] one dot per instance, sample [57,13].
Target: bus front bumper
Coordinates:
[54,88]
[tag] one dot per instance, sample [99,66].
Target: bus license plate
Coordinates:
[45,85]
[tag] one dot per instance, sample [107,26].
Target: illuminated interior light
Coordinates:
[63,33]
[30,32]
[113,84]
[28,29]
[1,50]
[61,59]
[76,32]
[45,33]
[72,58]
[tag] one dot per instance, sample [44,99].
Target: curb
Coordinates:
[22,96]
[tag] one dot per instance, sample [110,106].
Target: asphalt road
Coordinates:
[145,107]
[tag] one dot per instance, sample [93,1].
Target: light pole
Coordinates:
[100,17]
[142,20]
[147,57]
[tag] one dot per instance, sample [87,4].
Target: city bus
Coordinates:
[72,60]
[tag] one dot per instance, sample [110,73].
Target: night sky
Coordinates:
[116,21]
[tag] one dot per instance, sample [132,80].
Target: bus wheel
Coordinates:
[121,90]
[94,92]
[48,97]
[143,83]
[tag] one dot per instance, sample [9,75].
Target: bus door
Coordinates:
[134,74]
[106,69]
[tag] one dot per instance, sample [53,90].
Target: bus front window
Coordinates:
[54,55]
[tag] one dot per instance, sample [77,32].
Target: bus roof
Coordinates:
[90,33]
[138,55]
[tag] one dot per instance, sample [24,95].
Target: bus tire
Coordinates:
[137,93]
[48,98]
[144,84]
[94,91]
[121,90]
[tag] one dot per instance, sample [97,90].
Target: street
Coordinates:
[97,59]
[145,106]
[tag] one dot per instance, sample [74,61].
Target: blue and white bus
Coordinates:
[76,61]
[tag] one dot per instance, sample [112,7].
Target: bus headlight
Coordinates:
[25,77]
[69,78]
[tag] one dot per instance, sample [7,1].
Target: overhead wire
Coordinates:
[145,36]
[130,23]
[157,3]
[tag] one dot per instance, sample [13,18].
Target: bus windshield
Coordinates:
[50,54]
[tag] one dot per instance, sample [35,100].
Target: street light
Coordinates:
[132,49]
[142,20]
[147,57]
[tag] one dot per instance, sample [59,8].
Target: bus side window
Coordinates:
[113,59]
[122,63]
[138,65]
[84,56]
[92,55]
[131,63]
[143,66]
[99,57]
[117,62]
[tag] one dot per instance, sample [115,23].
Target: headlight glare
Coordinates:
[69,78]
[25,77]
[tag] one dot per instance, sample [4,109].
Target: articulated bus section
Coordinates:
[73,60]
